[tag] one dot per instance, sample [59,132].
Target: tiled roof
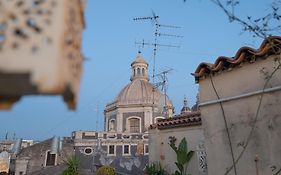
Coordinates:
[270,46]
[188,119]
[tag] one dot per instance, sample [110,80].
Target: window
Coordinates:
[146,149]
[138,71]
[51,159]
[126,149]
[142,71]
[111,125]
[134,125]
[111,149]
[88,151]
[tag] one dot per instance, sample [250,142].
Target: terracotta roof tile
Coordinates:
[270,46]
[188,119]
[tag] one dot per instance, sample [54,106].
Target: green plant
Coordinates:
[154,169]
[72,166]
[183,155]
[106,170]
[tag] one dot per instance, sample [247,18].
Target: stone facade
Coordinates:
[127,153]
[240,110]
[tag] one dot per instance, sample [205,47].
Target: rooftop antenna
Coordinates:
[97,119]
[155,18]
[164,86]
[6,136]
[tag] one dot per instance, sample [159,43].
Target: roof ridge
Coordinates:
[241,55]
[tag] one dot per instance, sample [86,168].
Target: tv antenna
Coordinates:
[97,119]
[155,19]
[163,84]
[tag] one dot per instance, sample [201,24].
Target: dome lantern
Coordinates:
[139,68]
[185,107]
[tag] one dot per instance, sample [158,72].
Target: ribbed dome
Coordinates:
[137,92]
[140,91]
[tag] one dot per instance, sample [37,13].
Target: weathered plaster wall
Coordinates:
[160,150]
[262,154]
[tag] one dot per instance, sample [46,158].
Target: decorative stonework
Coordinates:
[201,156]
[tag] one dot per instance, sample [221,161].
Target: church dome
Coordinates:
[185,108]
[140,91]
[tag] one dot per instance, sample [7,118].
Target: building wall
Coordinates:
[160,150]
[261,155]
[33,158]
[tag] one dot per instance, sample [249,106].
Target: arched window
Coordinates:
[142,71]
[138,71]
[134,125]
[111,125]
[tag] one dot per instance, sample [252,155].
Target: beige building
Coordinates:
[240,108]
[186,125]
[40,44]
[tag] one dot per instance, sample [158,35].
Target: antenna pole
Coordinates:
[155,45]
[97,119]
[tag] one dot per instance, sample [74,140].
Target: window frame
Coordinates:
[129,124]
[92,150]
[108,150]
[46,158]
[129,150]
[109,124]
[146,149]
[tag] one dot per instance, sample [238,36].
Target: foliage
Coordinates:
[106,170]
[154,169]
[72,166]
[183,156]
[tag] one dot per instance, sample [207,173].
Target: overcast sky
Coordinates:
[109,44]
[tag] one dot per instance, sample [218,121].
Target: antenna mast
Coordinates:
[164,86]
[155,18]
[97,119]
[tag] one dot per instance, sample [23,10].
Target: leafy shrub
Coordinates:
[106,170]
[72,166]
